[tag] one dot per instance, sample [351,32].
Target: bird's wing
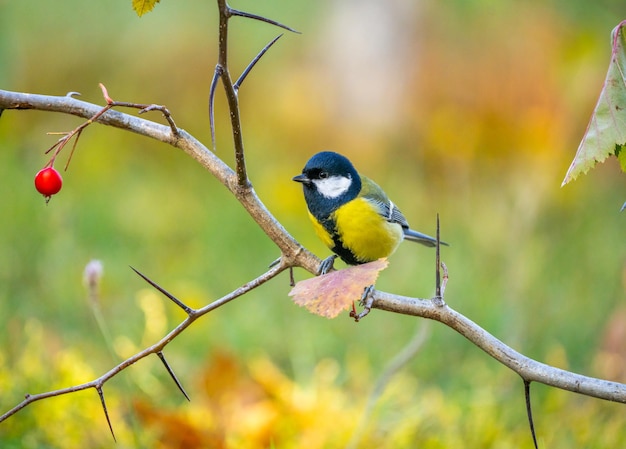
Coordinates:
[386,208]
[390,212]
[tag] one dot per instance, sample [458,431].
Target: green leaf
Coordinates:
[143,6]
[606,131]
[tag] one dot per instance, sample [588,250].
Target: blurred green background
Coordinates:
[472,110]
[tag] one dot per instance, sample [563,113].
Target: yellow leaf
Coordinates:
[329,294]
[143,6]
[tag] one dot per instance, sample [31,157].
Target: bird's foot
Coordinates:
[326,265]
[367,299]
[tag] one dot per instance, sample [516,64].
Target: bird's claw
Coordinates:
[326,265]
[367,299]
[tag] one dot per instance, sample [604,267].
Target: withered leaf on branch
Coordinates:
[329,294]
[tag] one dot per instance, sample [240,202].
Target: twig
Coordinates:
[294,255]
[231,94]
[226,12]
[154,349]
[292,252]
[76,132]
[217,74]
[526,367]
[143,108]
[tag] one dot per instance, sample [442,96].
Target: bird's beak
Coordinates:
[302,178]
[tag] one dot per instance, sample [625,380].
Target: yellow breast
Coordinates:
[321,232]
[365,232]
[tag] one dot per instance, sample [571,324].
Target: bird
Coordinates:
[351,214]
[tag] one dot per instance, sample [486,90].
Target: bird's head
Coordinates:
[329,180]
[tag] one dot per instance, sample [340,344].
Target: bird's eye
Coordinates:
[323,175]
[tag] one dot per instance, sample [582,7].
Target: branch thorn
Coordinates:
[235,12]
[188,310]
[529,411]
[439,265]
[172,375]
[105,93]
[106,413]
[241,79]
[216,76]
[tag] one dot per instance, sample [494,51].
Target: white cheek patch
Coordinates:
[333,187]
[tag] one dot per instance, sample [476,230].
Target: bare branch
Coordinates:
[231,95]
[293,254]
[529,369]
[143,108]
[155,348]
[164,111]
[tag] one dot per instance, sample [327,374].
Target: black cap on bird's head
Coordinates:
[325,165]
[329,180]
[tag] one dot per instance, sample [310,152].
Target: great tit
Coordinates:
[351,214]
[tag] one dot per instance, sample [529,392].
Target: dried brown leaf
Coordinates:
[329,294]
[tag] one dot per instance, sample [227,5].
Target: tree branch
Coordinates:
[231,93]
[292,253]
[156,348]
[529,369]
[291,250]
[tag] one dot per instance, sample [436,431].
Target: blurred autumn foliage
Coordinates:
[472,110]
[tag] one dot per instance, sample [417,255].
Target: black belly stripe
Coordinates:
[344,253]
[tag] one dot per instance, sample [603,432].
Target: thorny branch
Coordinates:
[292,253]
[157,348]
[76,132]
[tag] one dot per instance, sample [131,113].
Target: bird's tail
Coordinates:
[424,239]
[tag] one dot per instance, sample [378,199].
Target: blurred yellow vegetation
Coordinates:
[255,404]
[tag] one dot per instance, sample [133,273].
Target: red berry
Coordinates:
[48,181]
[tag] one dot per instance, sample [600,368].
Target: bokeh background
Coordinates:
[472,110]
